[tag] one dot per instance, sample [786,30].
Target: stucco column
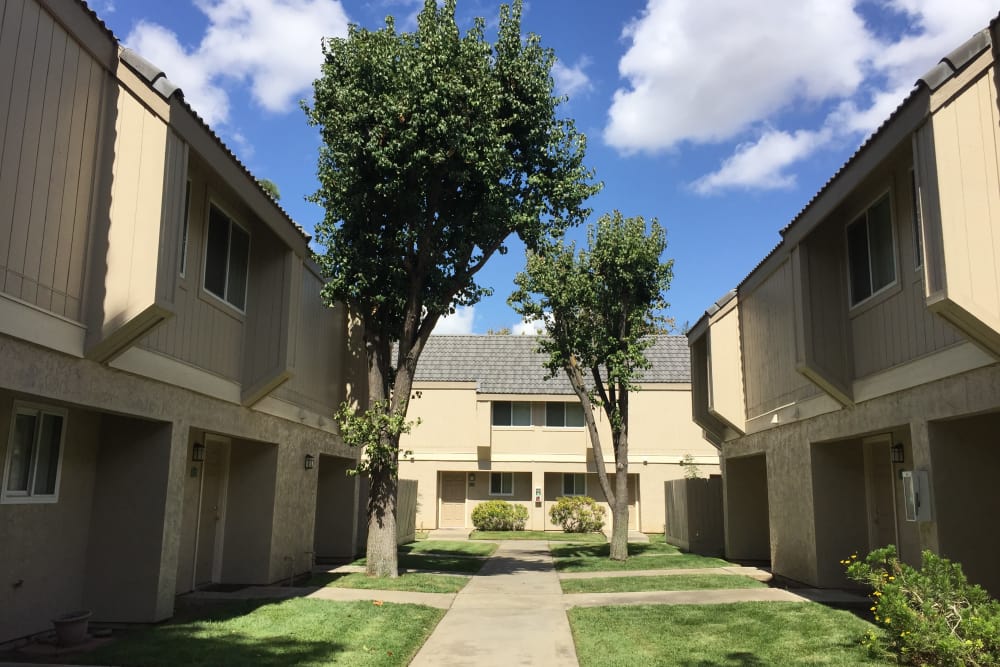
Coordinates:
[173,514]
[537,520]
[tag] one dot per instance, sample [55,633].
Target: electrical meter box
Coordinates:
[916,495]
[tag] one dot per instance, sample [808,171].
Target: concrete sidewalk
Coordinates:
[511,613]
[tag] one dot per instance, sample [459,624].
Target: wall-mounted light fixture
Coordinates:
[472,479]
[898,453]
[198,452]
[310,461]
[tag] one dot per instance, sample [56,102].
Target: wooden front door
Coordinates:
[452,500]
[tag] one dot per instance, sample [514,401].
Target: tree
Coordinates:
[502,331]
[270,187]
[601,307]
[437,146]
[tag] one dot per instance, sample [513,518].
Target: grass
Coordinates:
[265,634]
[544,535]
[414,582]
[442,556]
[653,556]
[676,582]
[745,634]
[449,548]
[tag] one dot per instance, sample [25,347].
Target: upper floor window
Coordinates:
[511,413]
[184,231]
[918,239]
[574,484]
[501,483]
[564,414]
[227,259]
[870,255]
[34,454]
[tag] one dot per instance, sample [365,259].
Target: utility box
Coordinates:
[916,495]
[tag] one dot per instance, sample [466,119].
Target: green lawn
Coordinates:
[544,535]
[449,548]
[263,634]
[745,634]
[676,582]
[416,582]
[653,556]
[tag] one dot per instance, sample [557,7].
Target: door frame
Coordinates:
[873,449]
[224,444]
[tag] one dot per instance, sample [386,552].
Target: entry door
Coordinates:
[212,511]
[881,494]
[452,500]
[633,502]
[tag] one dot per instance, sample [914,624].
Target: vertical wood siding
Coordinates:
[318,353]
[766,320]
[266,321]
[898,328]
[51,94]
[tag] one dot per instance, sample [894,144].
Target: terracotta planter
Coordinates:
[71,628]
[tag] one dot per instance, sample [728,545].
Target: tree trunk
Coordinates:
[619,510]
[382,560]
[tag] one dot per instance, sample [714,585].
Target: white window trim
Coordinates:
[864,303]
[521,427]
[575,491]
[186,228]
[204,260]
[28,497]
[501,484]
[917,223]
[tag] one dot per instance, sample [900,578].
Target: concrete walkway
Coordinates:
[511,613]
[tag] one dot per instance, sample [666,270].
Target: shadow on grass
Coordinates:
[735,659]
[603,550]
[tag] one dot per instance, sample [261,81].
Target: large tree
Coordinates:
[601,307]
[437,146]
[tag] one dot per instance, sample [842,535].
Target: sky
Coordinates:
[719,118]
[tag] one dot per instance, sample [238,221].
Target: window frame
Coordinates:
[565,411]
[185,229]
[493,422]
[574,476]
[863,216]
[501,492]
[918,223]
[30,496]
[229,242]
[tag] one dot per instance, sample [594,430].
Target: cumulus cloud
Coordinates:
[272,46]
[571,80]
[529,328]
[459,322]
[719,71]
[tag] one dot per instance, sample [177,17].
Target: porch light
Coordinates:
[898,455]
[198,452]
[310,461]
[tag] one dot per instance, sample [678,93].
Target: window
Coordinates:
[560,415]
[227,259]
[574,484]
[511,413]
[34,453]
[184,230]
[918,241]
[501,483]
[871,260]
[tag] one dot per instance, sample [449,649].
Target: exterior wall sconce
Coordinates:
[472,479]
[198,452]
[898,454]
[310,461]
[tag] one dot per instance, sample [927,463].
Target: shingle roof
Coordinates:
[511,364]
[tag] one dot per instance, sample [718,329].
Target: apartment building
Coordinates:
[493,427]
[168,370]
[851,379]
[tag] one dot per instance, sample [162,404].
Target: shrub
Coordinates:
[578,514]
[930,616]
[499,515]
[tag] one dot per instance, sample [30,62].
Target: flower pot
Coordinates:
[71,628]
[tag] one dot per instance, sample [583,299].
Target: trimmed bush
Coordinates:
[499,515]
[578,514]
[930,616]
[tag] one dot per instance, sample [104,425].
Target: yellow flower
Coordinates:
[877,594]
[873,609]
[853,556]
[891,578]
[888,621]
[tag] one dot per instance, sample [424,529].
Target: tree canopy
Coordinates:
[601,306]
[436,147]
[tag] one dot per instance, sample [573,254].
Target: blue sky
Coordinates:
[719,118]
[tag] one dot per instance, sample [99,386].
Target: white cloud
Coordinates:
[529,328]
[459,322]
[572,80]
[762,164]
[273,46]
[713,72]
